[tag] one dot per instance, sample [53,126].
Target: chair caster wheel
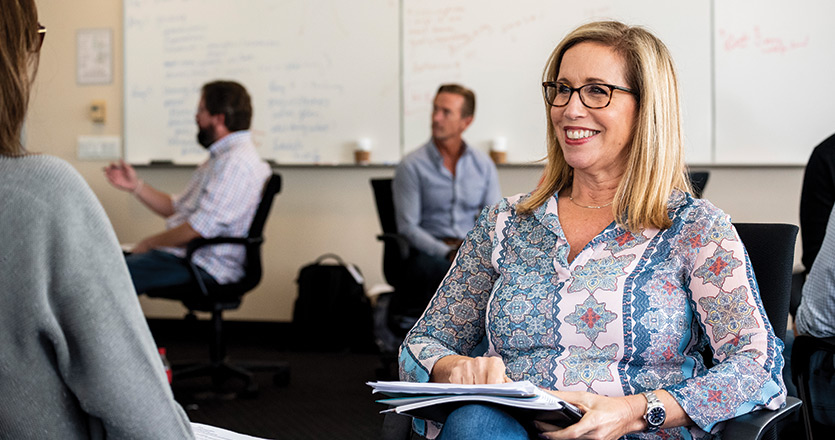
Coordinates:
[251,391]
[282,378]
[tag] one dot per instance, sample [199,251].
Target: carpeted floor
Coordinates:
[326,398]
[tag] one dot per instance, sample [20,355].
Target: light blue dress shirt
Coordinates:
[432,204]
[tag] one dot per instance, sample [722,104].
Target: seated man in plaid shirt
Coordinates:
[220,199]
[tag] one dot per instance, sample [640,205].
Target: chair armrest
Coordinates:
[753,425]
[397,240]
[198,243]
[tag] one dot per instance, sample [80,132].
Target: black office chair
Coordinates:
[771,250]
[802,350]
[396,248]
[403,312]
[198,295]
[698,181]
[395,312]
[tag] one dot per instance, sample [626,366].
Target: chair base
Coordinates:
[223,371]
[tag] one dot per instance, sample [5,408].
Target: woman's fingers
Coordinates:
[478,370]
[491,369]
[603,418]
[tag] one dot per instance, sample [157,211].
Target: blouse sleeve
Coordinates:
[747,356]
[454,321]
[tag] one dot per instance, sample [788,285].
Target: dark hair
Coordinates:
[231,100]
[468,109]
[19,46]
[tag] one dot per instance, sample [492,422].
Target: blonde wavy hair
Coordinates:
[19,46]
[655,164]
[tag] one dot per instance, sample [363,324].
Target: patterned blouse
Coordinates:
[631,312]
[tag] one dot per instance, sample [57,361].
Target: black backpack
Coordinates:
[332,312]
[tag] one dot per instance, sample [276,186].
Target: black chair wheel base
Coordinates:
[251,391]
[282,378]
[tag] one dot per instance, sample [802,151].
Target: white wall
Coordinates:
[319,209]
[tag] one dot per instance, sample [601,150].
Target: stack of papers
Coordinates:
[208,432]
[434,401]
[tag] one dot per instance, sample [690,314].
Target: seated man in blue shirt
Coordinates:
[439,190]
[220,199]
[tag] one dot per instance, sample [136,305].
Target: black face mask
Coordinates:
[206,137]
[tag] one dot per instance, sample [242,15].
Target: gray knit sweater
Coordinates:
[77,359]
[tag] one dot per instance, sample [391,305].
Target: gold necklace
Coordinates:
[589,206]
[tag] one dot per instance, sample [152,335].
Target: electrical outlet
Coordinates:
[99,147]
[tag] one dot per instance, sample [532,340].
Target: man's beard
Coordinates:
[206,137]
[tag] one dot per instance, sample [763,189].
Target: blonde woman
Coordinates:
[78,359]
[606,282]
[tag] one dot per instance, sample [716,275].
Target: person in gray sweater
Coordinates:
[78,359]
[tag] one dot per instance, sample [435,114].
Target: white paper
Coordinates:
[429,400]
[544,401]
[512,389]
[206,432]
[94,56]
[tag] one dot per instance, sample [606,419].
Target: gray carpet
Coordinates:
[326,398]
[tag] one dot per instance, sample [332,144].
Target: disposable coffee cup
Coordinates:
[499,157]
[498,151]
[362,157]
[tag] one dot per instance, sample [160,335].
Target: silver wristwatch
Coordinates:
[656,414]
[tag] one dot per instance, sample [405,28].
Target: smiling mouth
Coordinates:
[580,134]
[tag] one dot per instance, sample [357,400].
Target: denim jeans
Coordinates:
[482,422]
[155,269]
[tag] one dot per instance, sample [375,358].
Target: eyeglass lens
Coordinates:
[591,95]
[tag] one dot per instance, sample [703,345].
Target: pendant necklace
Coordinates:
[589,206]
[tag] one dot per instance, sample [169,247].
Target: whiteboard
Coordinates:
[774,67]
[322,75]
[499,48]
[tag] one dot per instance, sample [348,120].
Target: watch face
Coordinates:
[656,416]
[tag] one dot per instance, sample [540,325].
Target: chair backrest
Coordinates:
[770,247]
[271,188]
[385,204]
[698,180]
[253,269]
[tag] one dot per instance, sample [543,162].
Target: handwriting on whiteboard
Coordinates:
[441,39]
[760,40]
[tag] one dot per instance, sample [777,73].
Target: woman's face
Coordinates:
[594,140]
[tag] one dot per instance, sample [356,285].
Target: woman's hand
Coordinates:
[467,370]
[603,418]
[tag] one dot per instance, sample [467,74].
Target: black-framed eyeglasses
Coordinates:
[593,95]
[41,34]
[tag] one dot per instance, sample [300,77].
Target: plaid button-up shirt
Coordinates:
[220,200]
